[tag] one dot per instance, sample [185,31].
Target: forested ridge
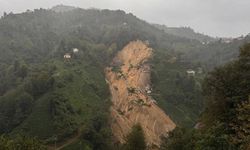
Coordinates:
[186,32]
[224,124]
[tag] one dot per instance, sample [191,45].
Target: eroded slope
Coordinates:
[129,81]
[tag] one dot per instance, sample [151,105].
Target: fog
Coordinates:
[222,18]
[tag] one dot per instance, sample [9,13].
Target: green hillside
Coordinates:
[44,95]
[186,32]
[224,125]
[217,53]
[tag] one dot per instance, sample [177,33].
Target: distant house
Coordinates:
[75,50]
[190,72]
[67,56]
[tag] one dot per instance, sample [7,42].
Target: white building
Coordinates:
[75,50]
[67,56]
[191,72]
[125,23]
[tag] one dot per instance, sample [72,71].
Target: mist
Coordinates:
[218,18]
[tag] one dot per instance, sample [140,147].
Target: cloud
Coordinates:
[213,17]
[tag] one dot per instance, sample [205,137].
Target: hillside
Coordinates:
[217,53]
[50,91]
[186,32]
[224,124]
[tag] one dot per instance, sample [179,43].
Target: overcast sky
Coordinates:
[223,18]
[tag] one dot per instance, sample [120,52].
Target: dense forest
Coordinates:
[186,32]
[52,98]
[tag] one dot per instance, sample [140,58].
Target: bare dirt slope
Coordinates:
[129,81]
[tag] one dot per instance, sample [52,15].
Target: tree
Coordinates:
[227,93]
[4,14]
[225,120]
[20,143]
[136,139]
[241,126]
[178,139]
[22,71]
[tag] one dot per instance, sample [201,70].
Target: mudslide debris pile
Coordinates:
[129,81]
